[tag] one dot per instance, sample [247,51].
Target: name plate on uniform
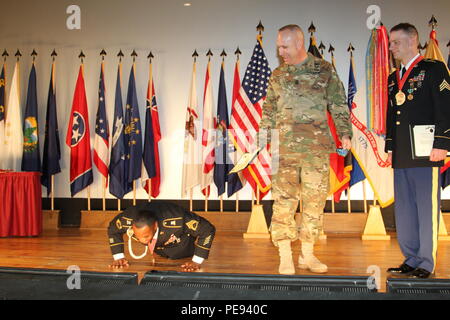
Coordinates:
[422,139]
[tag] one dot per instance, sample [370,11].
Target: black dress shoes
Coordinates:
[420,273]
[403,269]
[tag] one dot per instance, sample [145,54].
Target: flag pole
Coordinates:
[150,77]
[190,199]
[237,53]
[120,55]
[349,204]
[209,54]
[332,203]
[88,189]
[52,199]
[134,192]
[103,54]
[364,196]
[52,195]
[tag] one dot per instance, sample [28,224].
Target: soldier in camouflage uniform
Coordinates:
[300,92]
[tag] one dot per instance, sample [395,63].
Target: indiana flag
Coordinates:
[101,140]
[223,163]
[367,146]
[192,165]
[151,171]
[133,132]
[118,185]
[78,139]
[13,148]
[31,159]
[208,135]
[52,147]
[2,109]
[236,181]
[246,117]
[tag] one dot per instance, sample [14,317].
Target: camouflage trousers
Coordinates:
[302,175]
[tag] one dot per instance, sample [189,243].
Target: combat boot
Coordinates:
[307,260]
[286,261]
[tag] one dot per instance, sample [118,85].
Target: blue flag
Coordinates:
[52,148]
[31,160]
[223,164]
[118,185]
[356,175]
[133,133]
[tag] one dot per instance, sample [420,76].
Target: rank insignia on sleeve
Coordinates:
[207,240]
[111,240]
[193,224]
[444,85]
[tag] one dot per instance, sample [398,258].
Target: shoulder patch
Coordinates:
[193,225]
[118,224]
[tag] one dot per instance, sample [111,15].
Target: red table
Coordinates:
[20,204]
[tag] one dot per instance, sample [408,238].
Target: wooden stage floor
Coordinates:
[89,250]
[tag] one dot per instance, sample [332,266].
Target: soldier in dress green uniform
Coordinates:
[300,92]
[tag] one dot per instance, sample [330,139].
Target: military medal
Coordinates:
[400,96]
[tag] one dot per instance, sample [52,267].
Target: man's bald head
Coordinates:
[291,44]
[295,30]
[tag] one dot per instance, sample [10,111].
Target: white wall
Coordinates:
[172,31]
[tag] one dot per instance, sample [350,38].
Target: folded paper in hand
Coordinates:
[422,139]
[245,161]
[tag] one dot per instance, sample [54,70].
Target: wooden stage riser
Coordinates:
[351,223]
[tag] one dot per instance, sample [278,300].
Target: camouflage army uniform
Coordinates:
[298,97]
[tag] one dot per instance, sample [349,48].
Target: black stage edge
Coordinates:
[269,283]
[185,290]
[71,208]
[418,286]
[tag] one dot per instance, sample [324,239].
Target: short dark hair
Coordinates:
[407,28]
[144,218]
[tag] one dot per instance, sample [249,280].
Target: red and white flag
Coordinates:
[208,135]
[101,140]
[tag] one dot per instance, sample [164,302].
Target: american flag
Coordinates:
[101,141]
[246,116]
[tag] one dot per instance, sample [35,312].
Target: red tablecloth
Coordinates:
[20,204]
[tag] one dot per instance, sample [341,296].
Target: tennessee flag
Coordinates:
[78,139]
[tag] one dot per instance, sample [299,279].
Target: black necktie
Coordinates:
[403,72]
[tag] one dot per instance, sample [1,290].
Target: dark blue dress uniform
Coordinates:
[181,233]
[417,180]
